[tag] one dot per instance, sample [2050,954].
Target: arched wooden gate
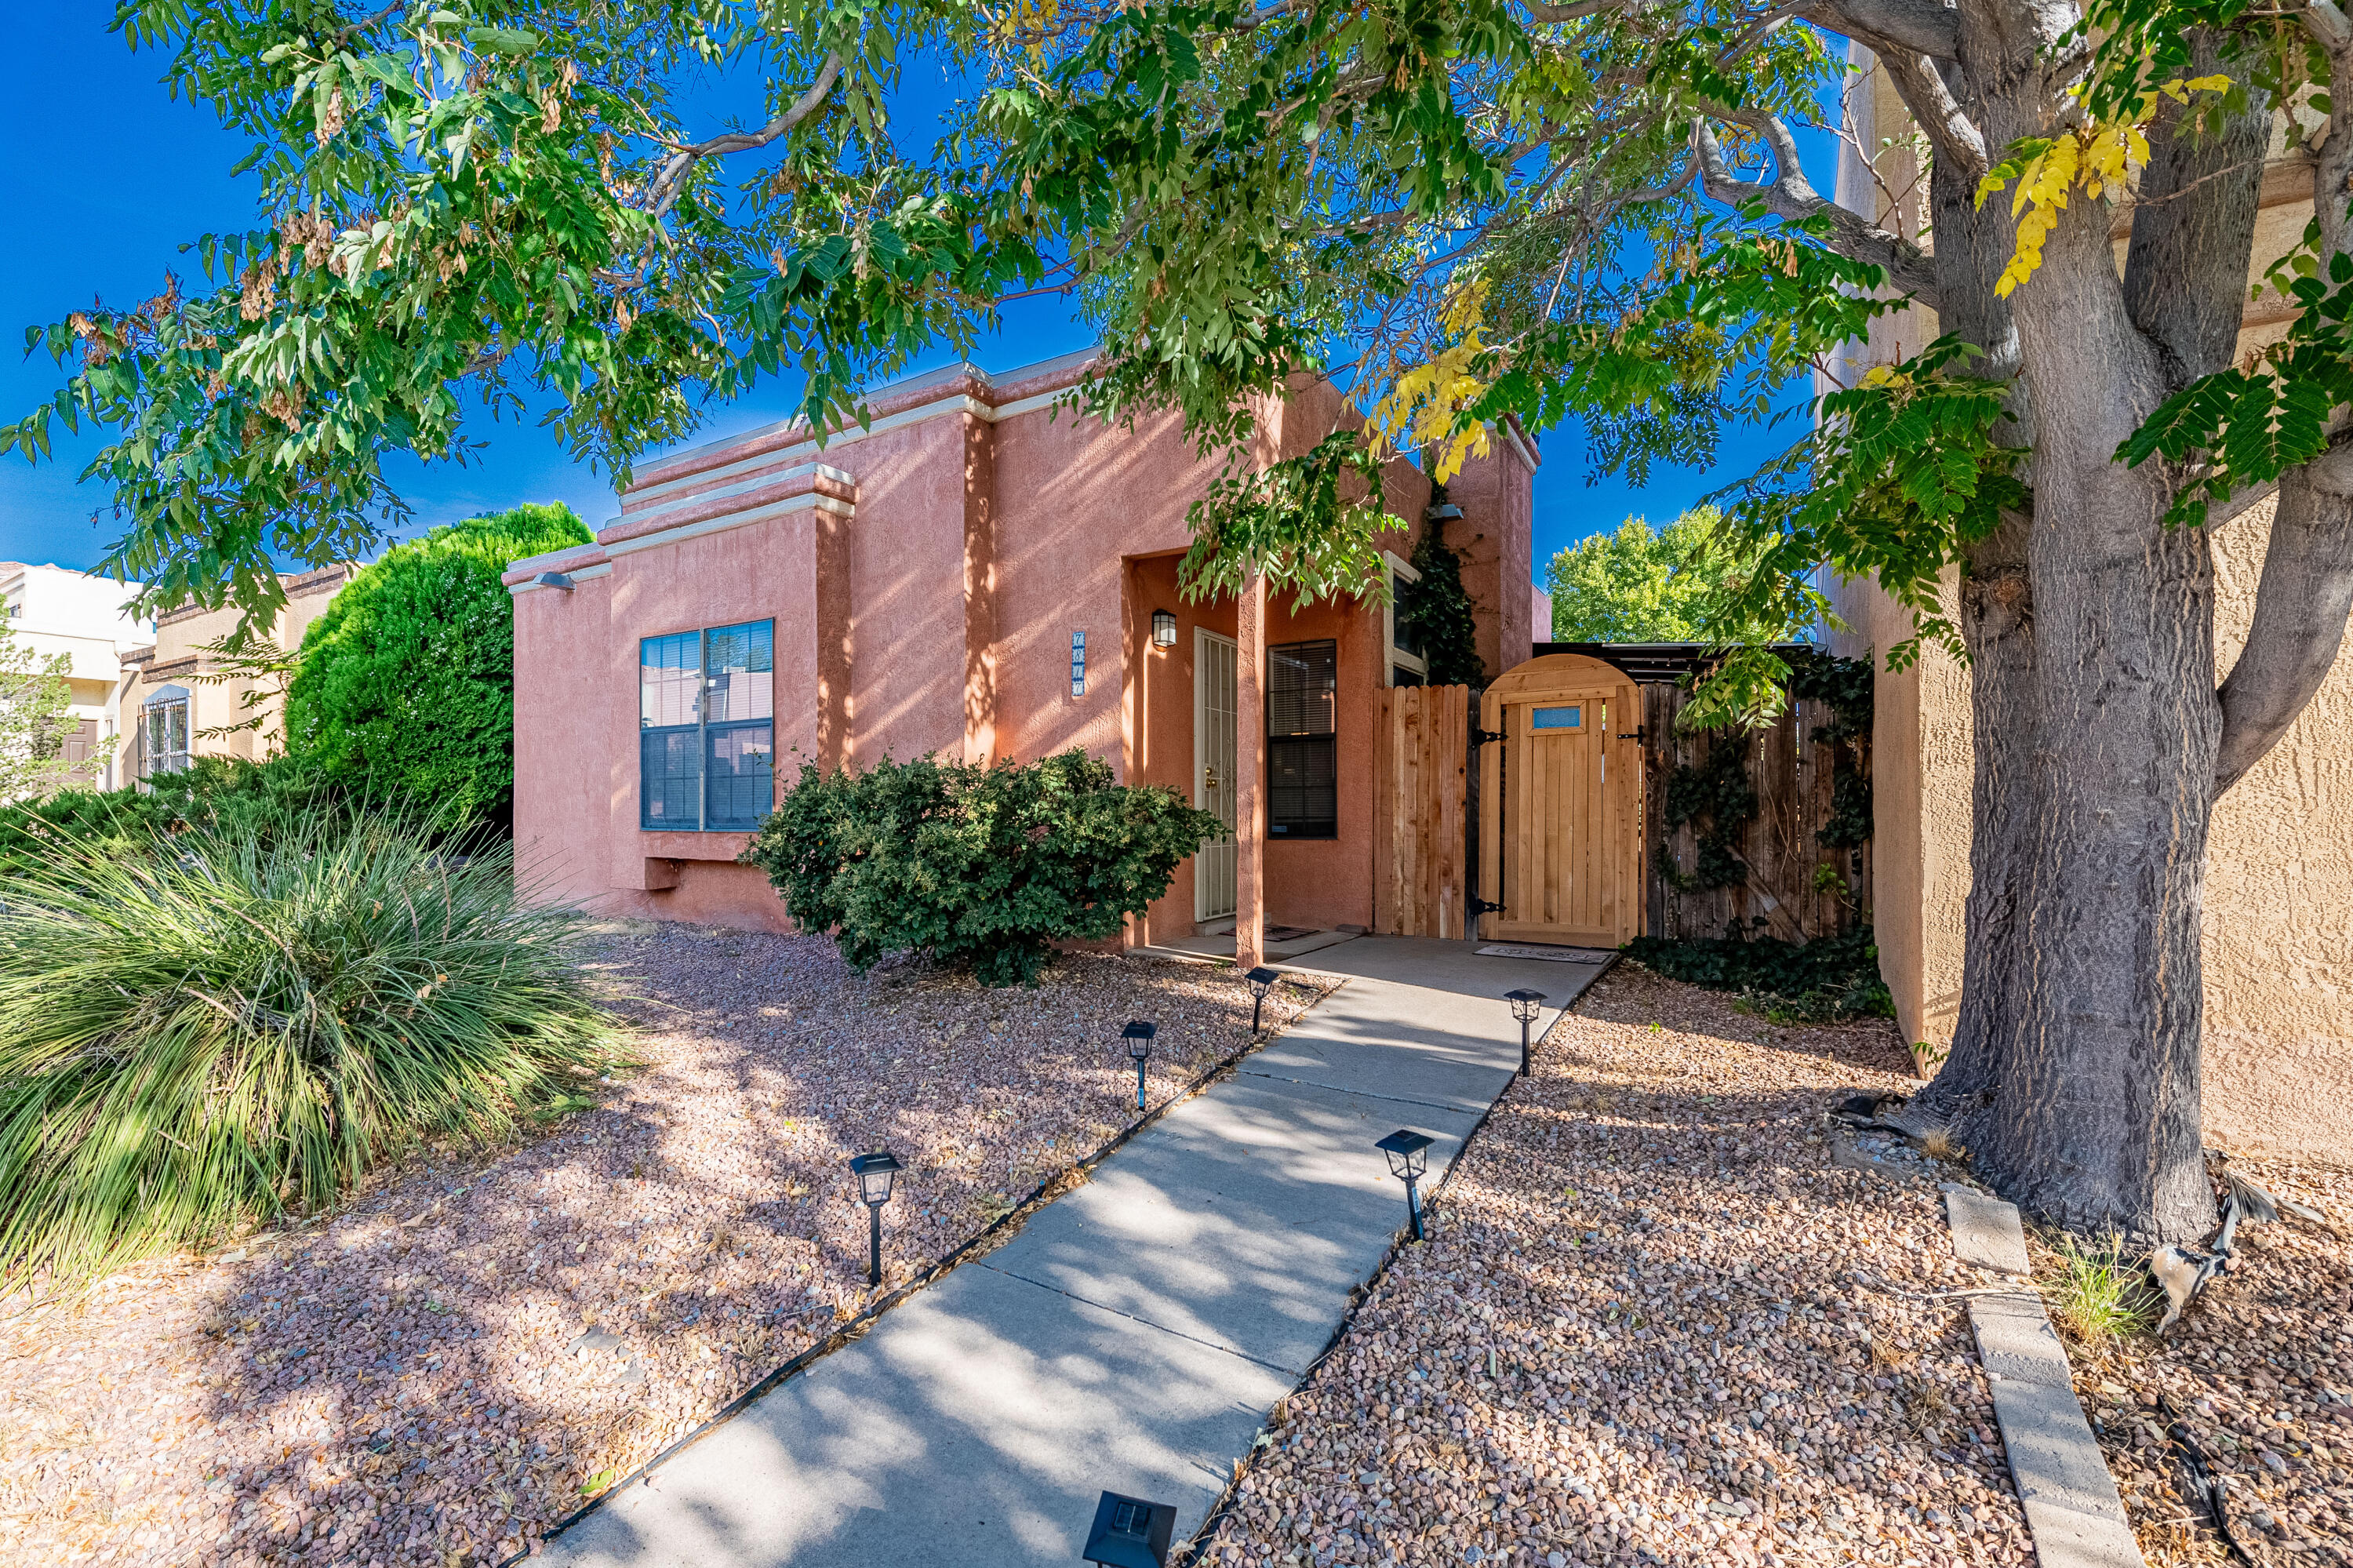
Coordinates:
[1561,846]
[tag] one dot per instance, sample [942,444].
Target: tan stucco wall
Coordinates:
[179,658]
[2278,919]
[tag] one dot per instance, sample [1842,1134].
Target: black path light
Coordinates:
[1526,1005]
[1138,1036]
[1130,1532]
[875,1173]
[1408,1158]
[1261,980]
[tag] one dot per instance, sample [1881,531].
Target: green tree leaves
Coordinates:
[405,687]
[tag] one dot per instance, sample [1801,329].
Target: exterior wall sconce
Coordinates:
[875,1173]
[1409,1153]
[1526,1005]
[1138,1036]
[553,580]
[1442,512]
[1261,980]
[1129,1533]
[1164,629]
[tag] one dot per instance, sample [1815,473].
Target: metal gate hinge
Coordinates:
[1481,736]
[1481,906]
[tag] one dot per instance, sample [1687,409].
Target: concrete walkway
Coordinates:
[1133,1334]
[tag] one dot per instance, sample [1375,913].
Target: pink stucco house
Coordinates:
[984,574]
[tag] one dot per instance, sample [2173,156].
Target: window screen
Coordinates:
[706,728]
[1303,797]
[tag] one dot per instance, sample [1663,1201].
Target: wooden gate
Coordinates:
[1560,829]
[1420,771]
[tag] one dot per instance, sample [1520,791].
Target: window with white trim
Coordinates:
[1404,664]
[706,728]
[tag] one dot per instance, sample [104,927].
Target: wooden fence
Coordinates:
[1421,784]
[1796,778]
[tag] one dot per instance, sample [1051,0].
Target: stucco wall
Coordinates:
[179,658]
[925,577]
[2278,917]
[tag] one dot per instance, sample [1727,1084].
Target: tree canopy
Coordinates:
[1632,584]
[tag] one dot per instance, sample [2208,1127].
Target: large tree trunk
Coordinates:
[2074,1075]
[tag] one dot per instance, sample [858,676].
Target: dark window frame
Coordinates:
[1303,786]
[672,775]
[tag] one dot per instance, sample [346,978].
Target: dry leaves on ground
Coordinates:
[1636,1333]
[2260,1368]
[447,1367]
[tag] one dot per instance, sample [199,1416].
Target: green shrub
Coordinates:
[194,1039]
[215,792]
[404,686]
[1826,979]
[981,867]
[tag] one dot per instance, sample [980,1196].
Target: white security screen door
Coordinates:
[1213,771]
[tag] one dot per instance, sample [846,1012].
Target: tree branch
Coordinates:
[1893,26]
[1792,199]
[663,191]
[1949,129]
[2301,605]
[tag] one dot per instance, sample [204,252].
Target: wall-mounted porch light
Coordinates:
[553,580]
[1164,629]
[1138,1036]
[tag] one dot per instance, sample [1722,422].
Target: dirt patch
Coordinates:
[483,1340]
[1638,1332]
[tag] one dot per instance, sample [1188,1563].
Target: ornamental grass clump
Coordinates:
[246,1021]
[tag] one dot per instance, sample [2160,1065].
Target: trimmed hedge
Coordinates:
[983,868]
[405,685]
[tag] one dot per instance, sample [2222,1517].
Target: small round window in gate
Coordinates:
[1558,718]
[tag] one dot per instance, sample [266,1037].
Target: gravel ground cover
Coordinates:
[1639,1331]
[2260,1368]
[452,1362]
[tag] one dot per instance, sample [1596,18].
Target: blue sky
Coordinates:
[109,175]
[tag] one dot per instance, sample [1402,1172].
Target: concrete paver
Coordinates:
[1133,1334]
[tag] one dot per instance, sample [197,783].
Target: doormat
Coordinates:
[1558,955]
[1290,933]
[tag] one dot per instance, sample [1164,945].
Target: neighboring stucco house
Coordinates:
[977,573]
[53,610]
[2278,917]
[177,690]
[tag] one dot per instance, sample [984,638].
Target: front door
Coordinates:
[1567,862]
[1214,665]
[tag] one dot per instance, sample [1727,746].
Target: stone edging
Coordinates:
[2073,1510]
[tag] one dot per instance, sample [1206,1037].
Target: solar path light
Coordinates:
[1526,1005]
[1408,1158]
[1138,1036]
[1261,980]
[1130,1532]
[875,1173]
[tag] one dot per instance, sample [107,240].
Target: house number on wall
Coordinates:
[1078,663]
